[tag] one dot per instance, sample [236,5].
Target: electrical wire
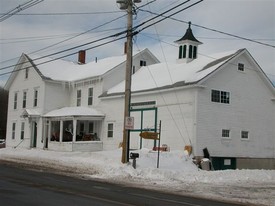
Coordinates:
[213,30]
[117,34]
[19,9]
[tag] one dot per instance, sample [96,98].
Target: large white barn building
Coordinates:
[223,102]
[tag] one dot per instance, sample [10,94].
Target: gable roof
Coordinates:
[61,70]
[165,76]
[75,112]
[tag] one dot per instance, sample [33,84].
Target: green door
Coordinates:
[223,163]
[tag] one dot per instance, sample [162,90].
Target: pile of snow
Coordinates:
[177,173]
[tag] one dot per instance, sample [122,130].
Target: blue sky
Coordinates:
[35,29]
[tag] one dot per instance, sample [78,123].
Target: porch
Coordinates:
[73,129]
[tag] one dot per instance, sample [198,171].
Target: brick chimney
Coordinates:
[81,57]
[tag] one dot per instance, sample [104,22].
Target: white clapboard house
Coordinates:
[221,102]
[55,105]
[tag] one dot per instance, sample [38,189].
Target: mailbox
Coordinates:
[134,155]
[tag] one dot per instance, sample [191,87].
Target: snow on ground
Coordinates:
[176,174]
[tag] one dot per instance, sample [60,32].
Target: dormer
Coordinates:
[188,46]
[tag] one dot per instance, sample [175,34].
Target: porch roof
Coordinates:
[30,113]
[75,112]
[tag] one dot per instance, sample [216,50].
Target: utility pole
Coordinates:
[127,5]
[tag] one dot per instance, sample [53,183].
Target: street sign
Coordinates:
[149,135]
[129,123]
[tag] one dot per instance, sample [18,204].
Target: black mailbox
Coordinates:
[134,155]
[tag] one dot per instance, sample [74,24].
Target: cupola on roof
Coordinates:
[188,35]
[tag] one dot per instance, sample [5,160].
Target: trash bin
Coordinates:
[205,164]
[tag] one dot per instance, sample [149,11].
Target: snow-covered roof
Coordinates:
[31,113]
[61,70]
[74,111]
[171,74]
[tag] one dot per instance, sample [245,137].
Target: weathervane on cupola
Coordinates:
[188,46]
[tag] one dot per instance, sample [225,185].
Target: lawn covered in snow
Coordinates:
[176,174]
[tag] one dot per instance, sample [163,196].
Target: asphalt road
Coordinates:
[28,186]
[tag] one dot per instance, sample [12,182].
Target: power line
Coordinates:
[104,38]
[117,34]
[214,30]
[19,8]
[67,13]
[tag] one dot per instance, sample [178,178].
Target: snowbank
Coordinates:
[176,174]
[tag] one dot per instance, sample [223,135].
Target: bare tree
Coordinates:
[3,112]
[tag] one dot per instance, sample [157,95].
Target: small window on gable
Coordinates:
[240,67]
[15,100]
[35,98]
[26,73]
[142,63]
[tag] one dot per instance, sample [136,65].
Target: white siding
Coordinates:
[250,109]
[176,110]
[19,85]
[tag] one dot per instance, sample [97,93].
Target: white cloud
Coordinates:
[249,19]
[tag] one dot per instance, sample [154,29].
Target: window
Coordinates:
[134,70]
[26,73]
[190,51]
[13,130]
[35,97]
[244,135]
[220,96]
[226,133]
[142,63]
[182,52]
[78,98]
[91,127]
[90,96]
[110,132]
[240,67]
[22,130]
[15,100]
[195,52]
[24,99]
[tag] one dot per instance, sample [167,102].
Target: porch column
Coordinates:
[74,129]
[61,131]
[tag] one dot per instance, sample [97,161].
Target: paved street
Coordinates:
[19,186]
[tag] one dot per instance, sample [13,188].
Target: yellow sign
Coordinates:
[149,135]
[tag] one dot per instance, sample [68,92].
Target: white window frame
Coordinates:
[90,96]
[35,98]
[15,100]
[247,134]
[13,130]
[225,132]
[110,130]
[24,100]
[241,67]
[22,133]
[78,97]
[26,73]
[223,96]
